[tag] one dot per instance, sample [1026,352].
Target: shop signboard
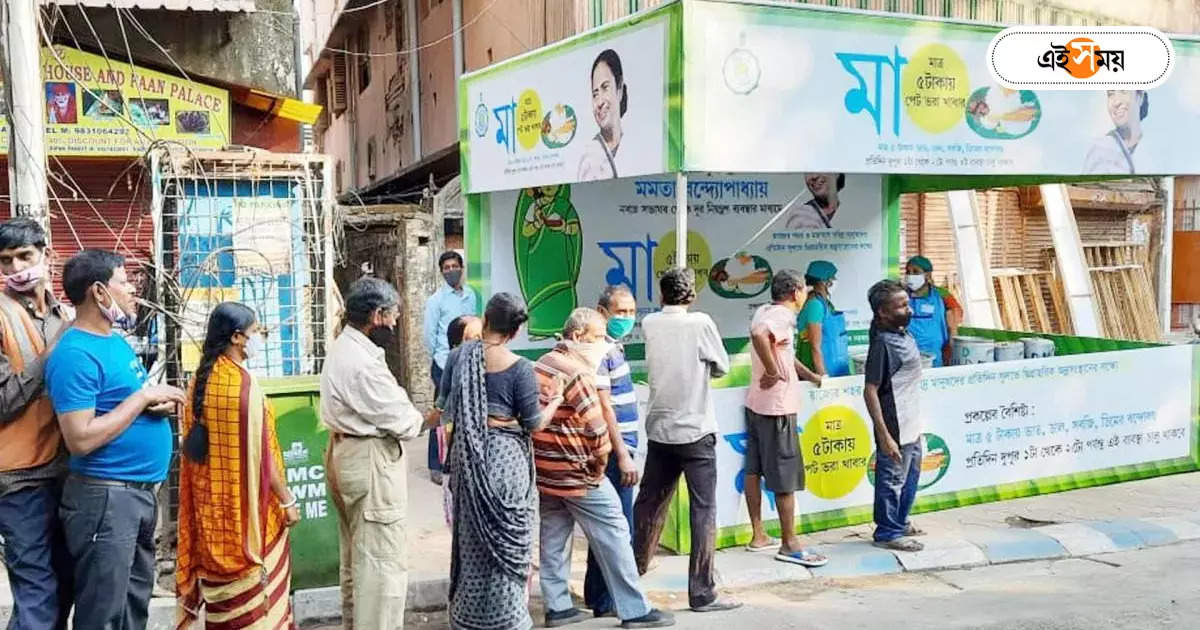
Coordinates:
[97,106]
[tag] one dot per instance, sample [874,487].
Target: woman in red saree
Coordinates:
[234,506]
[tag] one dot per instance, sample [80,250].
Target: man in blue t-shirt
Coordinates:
[115,426]
[614,384]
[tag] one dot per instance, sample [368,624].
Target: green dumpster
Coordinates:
[315,556]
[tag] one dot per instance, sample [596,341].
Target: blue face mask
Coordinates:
[620,327]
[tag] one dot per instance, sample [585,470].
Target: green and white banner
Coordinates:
[790,89]
[593,108]
[560,246]
[1034,425]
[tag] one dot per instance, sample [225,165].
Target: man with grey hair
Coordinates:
[368,414]
[571,454]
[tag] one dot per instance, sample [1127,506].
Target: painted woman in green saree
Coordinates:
[548,248]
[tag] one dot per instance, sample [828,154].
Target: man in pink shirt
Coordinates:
[772,402]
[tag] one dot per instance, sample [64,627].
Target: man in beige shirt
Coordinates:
[368,414]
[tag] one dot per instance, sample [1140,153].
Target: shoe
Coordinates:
[564,617]
[900,544]
[718,605]
[436,477]
[654,619]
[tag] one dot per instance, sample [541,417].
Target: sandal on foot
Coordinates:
[772,543]
[900,544]
[913,530]
[804,557]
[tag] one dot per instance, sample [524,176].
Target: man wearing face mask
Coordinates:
[452,300]
[368,415]
[825,345]
[936,313]
[32,459]
[614,384]
[113,423]
[571,454]
[892,394]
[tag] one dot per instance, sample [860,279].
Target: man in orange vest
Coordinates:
[32,459]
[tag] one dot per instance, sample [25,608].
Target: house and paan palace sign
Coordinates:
[93,106]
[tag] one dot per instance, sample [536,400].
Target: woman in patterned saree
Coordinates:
[495,403]
[234,506]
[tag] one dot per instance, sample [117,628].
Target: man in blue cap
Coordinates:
[824,345]
[936,313]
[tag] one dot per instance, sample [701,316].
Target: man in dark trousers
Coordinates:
[892,394]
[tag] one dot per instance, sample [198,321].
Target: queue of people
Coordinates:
[85,444]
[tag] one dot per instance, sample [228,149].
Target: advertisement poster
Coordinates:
[985,426]
[559,246]
[594,111]
[92,105]
[785,89]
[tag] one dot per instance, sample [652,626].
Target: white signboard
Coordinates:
[985,425]
[789,89]
[594,111]
[560,246]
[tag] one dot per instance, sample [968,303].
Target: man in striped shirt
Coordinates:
[614,383]
[571,454]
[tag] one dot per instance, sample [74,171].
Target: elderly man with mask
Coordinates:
[571,454]
[368,415]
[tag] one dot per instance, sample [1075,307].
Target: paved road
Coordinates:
[1147,589]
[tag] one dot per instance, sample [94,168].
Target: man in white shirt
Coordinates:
[368,414]
[683,352]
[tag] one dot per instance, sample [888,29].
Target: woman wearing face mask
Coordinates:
[493,399]
[234,504]
[936,313]
[824,344]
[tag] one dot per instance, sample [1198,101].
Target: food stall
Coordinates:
[575,158]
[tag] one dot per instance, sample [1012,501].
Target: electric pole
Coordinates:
[26,126]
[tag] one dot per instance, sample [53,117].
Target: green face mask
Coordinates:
[620,327]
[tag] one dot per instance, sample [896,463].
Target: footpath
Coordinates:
[1080,523]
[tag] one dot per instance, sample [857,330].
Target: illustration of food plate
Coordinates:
[740,277]
[934,463]
[997,113]
[558,127]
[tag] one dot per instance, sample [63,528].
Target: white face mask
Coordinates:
[254,345]
[592,351]
[915,281]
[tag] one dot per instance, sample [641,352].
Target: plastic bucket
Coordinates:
[926,360]
[973,350]
[1010,350]
[1037,348]
[858,362]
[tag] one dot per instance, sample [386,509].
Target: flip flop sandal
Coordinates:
[772,544]
[913,530]
[803,557]
[900,544]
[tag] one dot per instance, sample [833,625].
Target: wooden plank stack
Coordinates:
[1122,289]
[1030,301]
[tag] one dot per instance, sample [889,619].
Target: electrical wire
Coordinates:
[398,53]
